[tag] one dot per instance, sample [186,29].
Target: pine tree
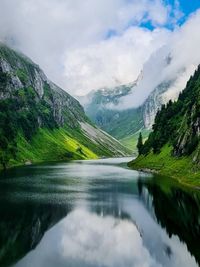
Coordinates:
[140,144]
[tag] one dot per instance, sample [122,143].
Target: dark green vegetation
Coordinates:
[140,144]
[173,148]
[39,121]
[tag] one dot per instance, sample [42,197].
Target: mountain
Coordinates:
[39,121]
[173,148]
[101,108]
[149,92]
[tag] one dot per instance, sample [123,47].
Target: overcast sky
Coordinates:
[89,44]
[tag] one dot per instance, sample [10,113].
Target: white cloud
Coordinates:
[55,33]
[68,39]
[115,61]
[182,46]
[105,241]
[88,240]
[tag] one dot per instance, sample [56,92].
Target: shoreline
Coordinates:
[162,173]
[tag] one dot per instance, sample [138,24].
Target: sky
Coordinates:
[87,45]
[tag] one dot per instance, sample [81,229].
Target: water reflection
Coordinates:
[23,226]
[177,211]
[95,214]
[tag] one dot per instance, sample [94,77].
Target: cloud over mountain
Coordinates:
[83,45]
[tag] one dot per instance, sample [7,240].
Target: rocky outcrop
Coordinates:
[21,73]
[153,103]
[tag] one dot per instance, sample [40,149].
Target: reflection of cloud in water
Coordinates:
[98,241]
[85,239]
[167,250]
[89,240]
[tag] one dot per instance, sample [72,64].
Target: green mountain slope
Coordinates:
[173,148]
[131,140]
[100,108]
[39,121]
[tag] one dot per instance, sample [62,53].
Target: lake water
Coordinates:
[96,214]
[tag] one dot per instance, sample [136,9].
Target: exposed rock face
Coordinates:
[153,103]
[189,132]
[22,73]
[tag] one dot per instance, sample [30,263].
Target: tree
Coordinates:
[6,155]
[140,144]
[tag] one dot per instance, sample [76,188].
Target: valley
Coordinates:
[99,133]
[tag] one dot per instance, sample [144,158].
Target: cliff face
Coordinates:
[33,110]
[188,130]
[20,73]
[153,103]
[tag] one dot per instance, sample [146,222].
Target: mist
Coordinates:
[83,51]
[175,62]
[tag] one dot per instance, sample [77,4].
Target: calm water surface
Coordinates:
[96,214]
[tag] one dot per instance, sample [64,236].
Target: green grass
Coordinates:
[51,145]
[60,144]
[131,140]
[182,169]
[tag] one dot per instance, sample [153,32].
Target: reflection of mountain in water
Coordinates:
[22,228]
[178,212]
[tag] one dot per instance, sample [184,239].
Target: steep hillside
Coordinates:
[173,148]
[39,121]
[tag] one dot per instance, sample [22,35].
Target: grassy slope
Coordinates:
[51,145]
[182,169]
[58,145]
[131,140]
[128,123]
